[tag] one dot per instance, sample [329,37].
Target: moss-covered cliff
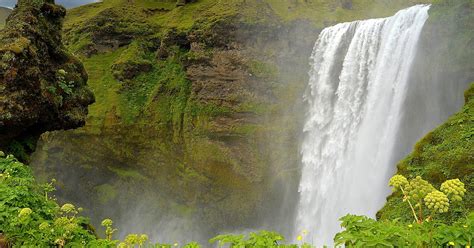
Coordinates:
[197,107]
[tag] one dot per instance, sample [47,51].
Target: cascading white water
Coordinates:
[358,83]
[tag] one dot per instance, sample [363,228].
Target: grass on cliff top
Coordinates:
[165,14]
[445,153]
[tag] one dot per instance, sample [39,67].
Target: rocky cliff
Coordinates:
[42,86]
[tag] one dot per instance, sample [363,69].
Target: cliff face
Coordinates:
[185,124]
[42,86]
[198,109]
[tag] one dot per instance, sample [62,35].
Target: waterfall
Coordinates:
[358,84]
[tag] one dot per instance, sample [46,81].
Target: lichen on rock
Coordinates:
[42,86]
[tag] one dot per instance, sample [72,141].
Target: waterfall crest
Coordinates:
[358,83]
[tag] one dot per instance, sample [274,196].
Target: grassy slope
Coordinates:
[445,153]
[320,12]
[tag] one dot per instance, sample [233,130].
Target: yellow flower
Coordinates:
[62,72]
[299,238]
[175,244]
[107,222]
[398,181]
[451,243]
[143,238]
[410,225]
[43,225]
[68,208]
[24,212]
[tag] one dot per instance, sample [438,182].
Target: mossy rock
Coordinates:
[33,97]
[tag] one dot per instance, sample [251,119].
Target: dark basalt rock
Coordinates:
[42,86]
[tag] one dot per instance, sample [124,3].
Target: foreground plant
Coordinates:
[361,231]
[29,217]
[422,196]
[262,239]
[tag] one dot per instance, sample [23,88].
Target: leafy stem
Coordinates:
[409,203]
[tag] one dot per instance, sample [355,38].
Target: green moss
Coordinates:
[106,193]
[205,13]
[168,99]
[205,110]
[127,173]
[259,108]
[79,42]
[247,129]
[161,93]
[445,153]
[103,84]
[16,47]
[263,70]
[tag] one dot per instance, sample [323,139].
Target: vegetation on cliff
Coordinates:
[445,153]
